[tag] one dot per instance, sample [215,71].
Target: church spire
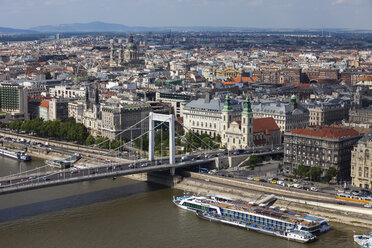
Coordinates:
[87,95]
[96,97]
[227,105]
[247,106]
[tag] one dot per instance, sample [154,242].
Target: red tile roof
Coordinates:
[240,79]
[44,104]
[264,125]
[326,132]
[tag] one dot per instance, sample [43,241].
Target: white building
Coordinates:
[177,100]
[66,92]
[76,110]
[287,116]
[205,115]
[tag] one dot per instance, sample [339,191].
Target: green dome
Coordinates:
[293,97]
[131,45]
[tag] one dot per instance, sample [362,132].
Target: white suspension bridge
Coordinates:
[40,177]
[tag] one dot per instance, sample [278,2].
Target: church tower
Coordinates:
[131,53]
[87,102]
[226,114]
[247,123]
[96,105]
[112,53]
[120,54]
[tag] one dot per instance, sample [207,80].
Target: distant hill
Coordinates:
[112,27]
[88,27]
[4,30]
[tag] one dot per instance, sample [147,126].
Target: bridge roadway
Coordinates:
[35,181]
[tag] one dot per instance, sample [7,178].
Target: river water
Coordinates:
[123,213]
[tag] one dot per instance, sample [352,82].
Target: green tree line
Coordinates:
[67,130]
[315,173]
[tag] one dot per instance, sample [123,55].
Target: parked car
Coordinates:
[297,186]
[315,189]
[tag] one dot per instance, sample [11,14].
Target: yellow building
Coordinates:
[229,71]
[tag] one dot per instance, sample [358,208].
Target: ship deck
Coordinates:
[273,212]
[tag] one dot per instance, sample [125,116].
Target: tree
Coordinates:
[15,125]
[90,140]
[332,172]
[206,143]
[302,170]
[142,142]
[315,173]
[253,160]
[48,75]
[103,142]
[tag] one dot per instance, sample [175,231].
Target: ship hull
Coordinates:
[250,227]
[15,155]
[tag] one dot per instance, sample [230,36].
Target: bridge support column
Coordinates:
[151,137]
[173,171]
[172,143]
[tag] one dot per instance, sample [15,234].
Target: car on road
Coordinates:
[280,182]
[297,186]
[273,182]
[315,189]
[185,158]
[145,164]
[250,178]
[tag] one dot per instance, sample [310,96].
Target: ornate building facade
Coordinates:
[322,147]
[361,163]
[233,121]
[127,56]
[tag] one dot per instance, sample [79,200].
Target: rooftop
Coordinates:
[44,104]
[264,125]
[326,132]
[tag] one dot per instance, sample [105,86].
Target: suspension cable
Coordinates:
[192,132]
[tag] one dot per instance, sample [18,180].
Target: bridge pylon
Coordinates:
[172,144]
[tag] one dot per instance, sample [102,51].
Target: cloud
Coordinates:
[58,2]
[255,2]
[338,2]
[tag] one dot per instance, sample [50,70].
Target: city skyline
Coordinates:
[349,14]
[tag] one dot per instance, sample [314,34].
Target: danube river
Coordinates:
[123,213]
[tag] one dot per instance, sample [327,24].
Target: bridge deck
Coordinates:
[67,176]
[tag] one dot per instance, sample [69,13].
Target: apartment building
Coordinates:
[361,163]
[323,147]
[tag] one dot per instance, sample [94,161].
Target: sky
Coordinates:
[354,14]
